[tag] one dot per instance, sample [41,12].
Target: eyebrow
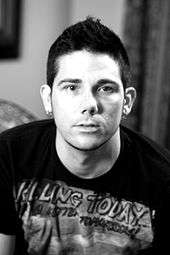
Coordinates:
[70,81]
[104,81]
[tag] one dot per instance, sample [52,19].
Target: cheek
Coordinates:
[60,106]
[65,109]
[112,115]
[63,112]
[114,108]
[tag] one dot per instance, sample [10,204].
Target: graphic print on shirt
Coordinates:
[59,219]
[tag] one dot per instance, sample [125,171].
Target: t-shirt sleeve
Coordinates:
[8,220]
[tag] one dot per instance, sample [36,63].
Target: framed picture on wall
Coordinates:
[10,14]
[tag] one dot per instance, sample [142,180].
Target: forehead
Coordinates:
[83,63]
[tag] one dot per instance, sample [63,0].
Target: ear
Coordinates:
[45,92]
[129,99]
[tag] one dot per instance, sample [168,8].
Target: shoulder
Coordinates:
[148,155]
[27,141]
[145,145]
[35,128]
[150,160]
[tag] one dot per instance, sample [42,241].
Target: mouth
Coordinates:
[88,127]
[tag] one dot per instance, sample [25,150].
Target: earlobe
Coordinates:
[130,96]
[45,92]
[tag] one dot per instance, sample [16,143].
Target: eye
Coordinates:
[71,87]
[108,89]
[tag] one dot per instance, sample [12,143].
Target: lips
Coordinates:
[88,126]
[88,123]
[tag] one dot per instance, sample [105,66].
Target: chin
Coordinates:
[88,146]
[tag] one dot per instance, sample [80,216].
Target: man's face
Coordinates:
[87,99]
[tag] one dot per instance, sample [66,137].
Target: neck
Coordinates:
[89,164]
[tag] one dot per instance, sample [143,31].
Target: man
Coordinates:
[82,183]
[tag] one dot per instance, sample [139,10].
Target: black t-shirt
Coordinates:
[51,211]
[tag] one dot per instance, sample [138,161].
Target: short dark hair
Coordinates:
[93,36]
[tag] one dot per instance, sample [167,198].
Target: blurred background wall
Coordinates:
[20,78]
[146,35]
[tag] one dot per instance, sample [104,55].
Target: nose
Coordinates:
[89,104]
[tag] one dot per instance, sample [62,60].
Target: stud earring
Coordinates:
[125,111]
[50,114]
[124,114]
